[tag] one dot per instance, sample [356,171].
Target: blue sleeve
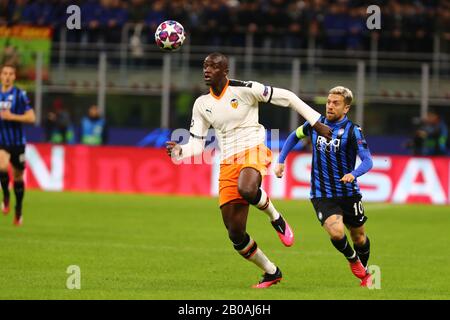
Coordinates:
[290,143]
[359,141]
[363,152]
[307,128]
[25,102]
[365,165]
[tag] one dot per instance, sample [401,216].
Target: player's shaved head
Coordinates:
[215,70]
[219,58]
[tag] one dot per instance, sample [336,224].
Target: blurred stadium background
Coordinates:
[398,74]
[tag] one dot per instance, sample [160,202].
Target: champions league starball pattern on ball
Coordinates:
[169,35]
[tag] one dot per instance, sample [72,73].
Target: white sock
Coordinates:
[251,252]
[266,205]
[260,259]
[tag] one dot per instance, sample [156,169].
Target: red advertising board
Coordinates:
[397,179]
[113,169]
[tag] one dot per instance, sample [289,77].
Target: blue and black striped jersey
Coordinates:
[331,160]
[11,132]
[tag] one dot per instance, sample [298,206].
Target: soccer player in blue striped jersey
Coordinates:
[15,110]
[335,193]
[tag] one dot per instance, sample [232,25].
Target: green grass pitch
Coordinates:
[155,247]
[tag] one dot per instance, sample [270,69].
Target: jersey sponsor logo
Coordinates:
[323,145]
[5,105]
[234,103]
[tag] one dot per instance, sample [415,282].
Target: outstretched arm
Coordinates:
[286,98]
[290,143]
[196,143]
[194,147]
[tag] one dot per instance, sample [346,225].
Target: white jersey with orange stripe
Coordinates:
[234,116]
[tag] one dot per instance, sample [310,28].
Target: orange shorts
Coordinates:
[258,157]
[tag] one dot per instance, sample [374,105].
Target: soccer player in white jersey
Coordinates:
[231,108]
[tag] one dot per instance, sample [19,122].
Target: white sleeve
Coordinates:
[286,98]
[260,92]
[198,131]
[192,148]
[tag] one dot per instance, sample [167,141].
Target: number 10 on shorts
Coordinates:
[358,208]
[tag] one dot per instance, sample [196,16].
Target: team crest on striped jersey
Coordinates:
[234,103]
[5,105]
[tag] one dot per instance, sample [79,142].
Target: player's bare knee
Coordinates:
[236,236]
[336,234]
[248,192]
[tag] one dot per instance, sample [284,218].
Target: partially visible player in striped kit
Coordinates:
[15,109]
[335,194]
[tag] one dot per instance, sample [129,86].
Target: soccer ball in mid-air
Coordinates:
[170,35]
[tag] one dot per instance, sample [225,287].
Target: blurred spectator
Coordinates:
[49,125]
[178,9]
[58,126]
[443,26]
[156,15]
[416,144]
[215,17]
[93,128]
[276,24]
[5,12]
[431,136]
[90,19]
[16,11]
[421,37]
[436,134]
[356,29]
[138,11]
[37,13]
[335,27]
[112,20]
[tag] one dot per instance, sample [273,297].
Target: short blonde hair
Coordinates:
[8,65]
[343,91]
